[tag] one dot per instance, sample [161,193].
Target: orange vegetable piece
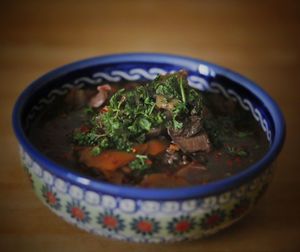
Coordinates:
[153,147]
[173,148]
[140,149]
[109,160]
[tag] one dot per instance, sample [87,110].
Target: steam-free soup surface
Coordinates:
[158,134]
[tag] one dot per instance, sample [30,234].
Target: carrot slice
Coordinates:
[141,148]
[153,147]
[109,160]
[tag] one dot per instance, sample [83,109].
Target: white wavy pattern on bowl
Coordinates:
[138,73]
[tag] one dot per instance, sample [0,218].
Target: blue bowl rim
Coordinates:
[197,191]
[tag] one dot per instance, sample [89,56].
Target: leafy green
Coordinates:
[243,134]
[88,110]
[182,90]
[131,114]
[234,151]
[140,163]
[96,150]
[145,124]
[195,101]
[174,87]
[89,138]
[218,129]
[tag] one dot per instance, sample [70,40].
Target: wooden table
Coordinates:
[256,38]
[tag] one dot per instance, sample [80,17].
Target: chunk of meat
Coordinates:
[155,132]
[194,173]
[192,126]
[109,160]
[101,96]
[162,180]
[199,142]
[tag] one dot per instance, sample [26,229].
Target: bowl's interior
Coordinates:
[205,79]
[141,67]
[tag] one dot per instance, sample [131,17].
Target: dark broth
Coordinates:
[242,143]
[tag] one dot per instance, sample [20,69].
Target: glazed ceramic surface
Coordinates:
[137,214]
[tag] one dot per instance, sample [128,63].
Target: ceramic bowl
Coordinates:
[140,214]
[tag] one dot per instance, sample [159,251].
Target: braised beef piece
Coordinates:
[195,143]
[191,137]
[192,126]
[155,132]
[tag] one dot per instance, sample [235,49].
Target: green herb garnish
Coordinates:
[140,163]
[131,114]
[234,151]
[243,134]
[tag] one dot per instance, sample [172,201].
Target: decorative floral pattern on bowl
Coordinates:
[129,219]
[147,215]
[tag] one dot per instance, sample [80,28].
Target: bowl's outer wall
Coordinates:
[139,220]
[138,214]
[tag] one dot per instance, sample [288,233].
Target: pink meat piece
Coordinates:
[101,96]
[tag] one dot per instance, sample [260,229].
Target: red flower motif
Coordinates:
[110,222]
[182,226]
[241,208]
[77,213]
[51,198]
[212,220]
[239,211]
[145,226]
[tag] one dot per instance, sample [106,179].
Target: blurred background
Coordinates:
[259,39]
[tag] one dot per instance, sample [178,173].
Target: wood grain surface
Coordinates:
[259,39]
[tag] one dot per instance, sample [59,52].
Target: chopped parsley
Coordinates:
[131,114]
[243,134]
[140,163]
[234,151]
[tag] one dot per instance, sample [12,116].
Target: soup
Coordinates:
[162,133]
